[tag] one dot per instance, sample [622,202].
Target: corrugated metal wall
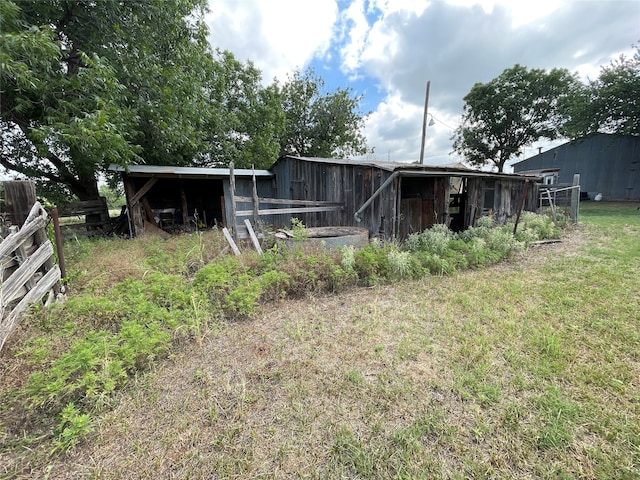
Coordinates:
[607,164]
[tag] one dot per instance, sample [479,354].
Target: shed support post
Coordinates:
[256,201]
[232,191]
[135,209]
[521,206]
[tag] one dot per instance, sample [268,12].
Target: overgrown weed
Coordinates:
[156,291]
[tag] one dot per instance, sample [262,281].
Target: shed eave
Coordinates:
[186,172]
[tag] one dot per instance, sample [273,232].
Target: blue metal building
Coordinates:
[607,164]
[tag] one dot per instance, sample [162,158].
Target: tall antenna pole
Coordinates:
[424,122]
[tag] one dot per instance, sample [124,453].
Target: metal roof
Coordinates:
[411,169]
[187,172]
[405,169]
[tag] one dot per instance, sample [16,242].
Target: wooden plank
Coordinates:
[252,235]
[151,229]
[232,190]
[14,240]
[575,198]
[145,188]
[553,209]
[46,283]
[285,201]
[254,199]
[147,209]
[229,238]
[276,211]
[86,207]
[24,274]
[185,206]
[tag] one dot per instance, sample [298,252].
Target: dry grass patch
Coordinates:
[527,369]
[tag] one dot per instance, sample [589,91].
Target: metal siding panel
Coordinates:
[607,164]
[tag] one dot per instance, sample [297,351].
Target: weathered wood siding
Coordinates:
[28,272]
[351,185]
[244,188]
[424,202]
[499,197]
[19,197]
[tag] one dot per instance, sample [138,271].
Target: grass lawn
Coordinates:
[526,369]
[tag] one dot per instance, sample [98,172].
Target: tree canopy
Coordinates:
[510,112]
[608,104]
[87,84]
[320,123]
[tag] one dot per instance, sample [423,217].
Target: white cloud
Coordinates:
[394,130]
[355,29]
[277,36]
[460,42]
[395,46]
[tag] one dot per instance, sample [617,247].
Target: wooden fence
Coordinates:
[93,219]
[284,209]
[556,196]
[28,271]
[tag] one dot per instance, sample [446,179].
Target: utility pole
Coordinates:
[424,122]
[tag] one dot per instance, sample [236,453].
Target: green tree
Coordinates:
[86,84]
[319,123]
[609,104]
[510,112]
[246,119]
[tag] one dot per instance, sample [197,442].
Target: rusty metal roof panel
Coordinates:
[185,172]
[409,169]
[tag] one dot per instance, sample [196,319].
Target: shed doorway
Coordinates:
[423,203]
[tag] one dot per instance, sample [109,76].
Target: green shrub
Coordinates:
[274,285]
[400,264]
[532,227]
[434,264]
[434,240]
[372,264]
[73,426]
[219,276]
[242,301]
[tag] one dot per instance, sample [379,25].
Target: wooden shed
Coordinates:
[390,200]
[396,199]
[185,198]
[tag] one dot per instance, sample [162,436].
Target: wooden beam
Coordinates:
[229,238]
[575,198]
[285,201]
[255,200]
[145,188]
[252,235]
[147,209]
[232,189]
[185,206]
[135,210]
[276,211]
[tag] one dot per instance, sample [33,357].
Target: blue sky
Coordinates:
[386,50]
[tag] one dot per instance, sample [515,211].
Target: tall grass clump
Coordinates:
[94,344]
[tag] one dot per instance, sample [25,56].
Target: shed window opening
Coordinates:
[488,196]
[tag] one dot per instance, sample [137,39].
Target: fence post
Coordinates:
[575,198]
[232,191]
[256,201]
[58,238]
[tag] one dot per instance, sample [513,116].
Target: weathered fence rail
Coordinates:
[28,272]
[308,206]
[93,218]
[555,196]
